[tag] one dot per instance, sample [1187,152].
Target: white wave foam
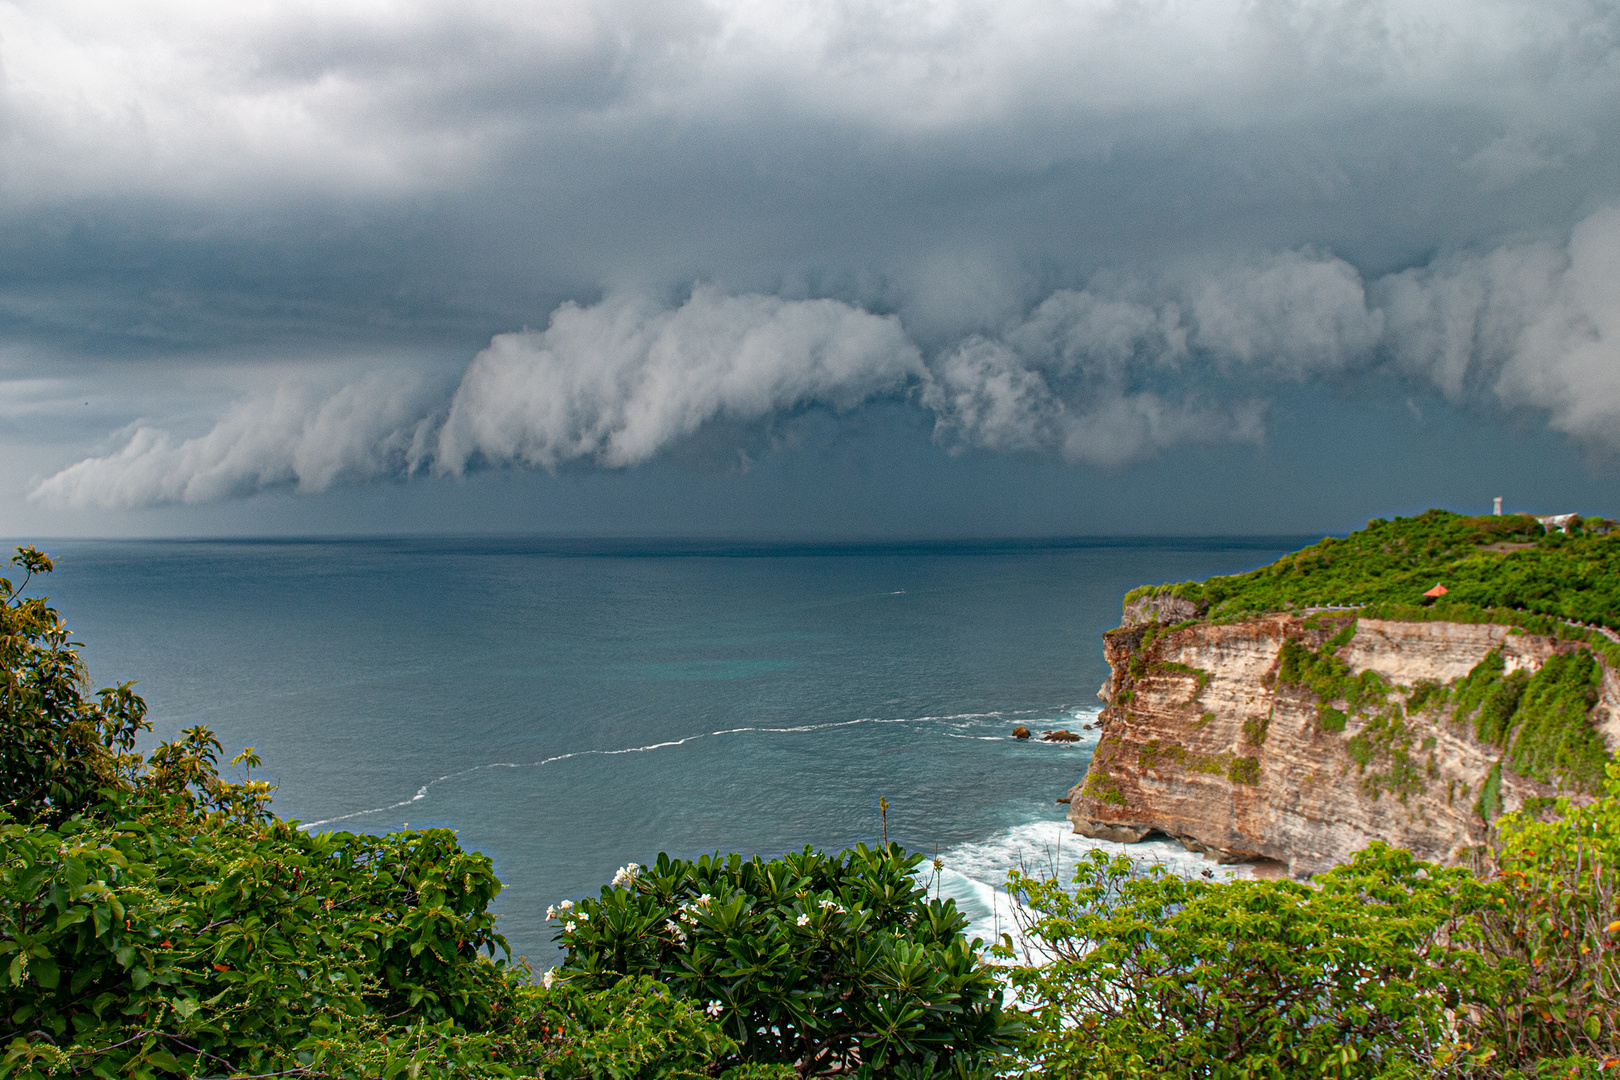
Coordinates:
[975,874]
[957,720]
[1081,722]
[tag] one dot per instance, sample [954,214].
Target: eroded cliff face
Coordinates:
[1202,742]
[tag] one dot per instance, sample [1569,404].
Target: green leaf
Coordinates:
[164,1060]
[45,972]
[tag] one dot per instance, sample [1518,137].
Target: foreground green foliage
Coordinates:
[218,937]
[58,746]
[1155,975]
[157,920]
[149,940]
[1552,928]
[1383,967]
[832,963]
[1506,562]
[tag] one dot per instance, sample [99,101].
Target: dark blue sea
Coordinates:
[571,706]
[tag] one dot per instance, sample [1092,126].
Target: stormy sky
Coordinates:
[769,267]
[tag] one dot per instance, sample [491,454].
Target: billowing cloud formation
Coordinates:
[1067,378]
[1535,326]
[1308,313]
[1102,375]
[1074,375]
[1570,365]
[1529,326]
[618,382]
[295,436]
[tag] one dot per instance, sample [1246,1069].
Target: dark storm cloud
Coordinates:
[1100,375]
[1097,230]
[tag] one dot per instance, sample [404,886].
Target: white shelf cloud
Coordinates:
[1100,376]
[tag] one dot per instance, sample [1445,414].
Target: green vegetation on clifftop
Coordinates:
[1507,562]
[1497,569]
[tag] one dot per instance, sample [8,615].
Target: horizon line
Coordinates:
[689,540]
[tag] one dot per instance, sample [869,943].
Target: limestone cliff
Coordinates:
[1234,741]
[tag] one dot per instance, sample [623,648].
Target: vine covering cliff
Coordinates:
[1247,719]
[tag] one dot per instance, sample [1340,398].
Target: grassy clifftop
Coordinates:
[1505,563]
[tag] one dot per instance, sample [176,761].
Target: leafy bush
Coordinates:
[1255,729]
[59,746]
[217,938]
[1382,967]
[837,964]
[1143,974]
[1551,932]
[161,942]
[1244,770]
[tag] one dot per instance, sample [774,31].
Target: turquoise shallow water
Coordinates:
[570,706]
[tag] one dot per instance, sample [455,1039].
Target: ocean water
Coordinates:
[571,706]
